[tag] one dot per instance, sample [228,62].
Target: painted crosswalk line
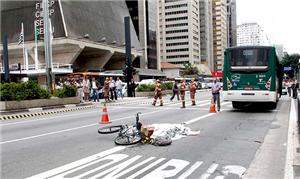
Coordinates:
[110,164]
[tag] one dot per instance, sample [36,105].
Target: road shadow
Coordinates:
[256,108]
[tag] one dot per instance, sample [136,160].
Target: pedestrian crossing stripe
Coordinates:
[118,165]
[18,116]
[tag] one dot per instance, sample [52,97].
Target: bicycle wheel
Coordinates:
[110,129]
[128,139]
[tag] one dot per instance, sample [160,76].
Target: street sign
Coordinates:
[287,68]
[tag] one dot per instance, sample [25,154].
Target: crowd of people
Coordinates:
[292,87]
[90,89]
[179,90]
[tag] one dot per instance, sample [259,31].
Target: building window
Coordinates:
[177,25]
[177,56]
[176,18]
[176,6]
[176,44]
[178,50]
[176,12]
[177,37]
[176,31]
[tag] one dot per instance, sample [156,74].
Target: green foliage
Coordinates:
[66,91]
[190,69]
[22,91]
[291,60]
[151,87]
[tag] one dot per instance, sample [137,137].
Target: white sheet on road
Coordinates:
[175,131]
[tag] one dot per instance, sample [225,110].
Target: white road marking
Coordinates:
[133,167]
[46,134]
[70,129]
[231,169]
[289,173]
[76,163]
[162,172]
[190,170]
[199,118]
[146,168]
[209,171]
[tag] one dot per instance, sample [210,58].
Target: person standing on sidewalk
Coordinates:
[132,86]
[295,87]
[86,88]
[112,89]
[80,93]
[193,87]
[182,93]
[158,93]
[215,89]
[119,87]
[106,90]
[95,86]
[175,91]
[289,86]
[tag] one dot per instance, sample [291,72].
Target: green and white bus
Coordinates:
[252,74]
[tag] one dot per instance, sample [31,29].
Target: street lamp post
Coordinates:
[48,48]
[128,67]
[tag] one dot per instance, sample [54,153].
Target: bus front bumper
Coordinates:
[250,96]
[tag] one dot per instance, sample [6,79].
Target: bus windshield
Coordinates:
[249,58]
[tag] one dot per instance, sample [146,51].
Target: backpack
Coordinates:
[162,140]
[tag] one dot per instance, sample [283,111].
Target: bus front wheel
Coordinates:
[273,105]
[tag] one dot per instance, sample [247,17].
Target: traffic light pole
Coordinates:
[128,55]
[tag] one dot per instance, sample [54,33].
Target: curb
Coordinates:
[17,116]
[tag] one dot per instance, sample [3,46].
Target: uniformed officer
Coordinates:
[158,93]
[193,87]
[106,90]
[182,93]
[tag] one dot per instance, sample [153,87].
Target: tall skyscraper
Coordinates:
[144,19]
[231,22]
[179,31]
[251,34]
[219,10]
[206,38]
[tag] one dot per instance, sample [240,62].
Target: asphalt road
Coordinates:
[232,143]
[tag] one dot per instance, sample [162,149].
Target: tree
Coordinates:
[292,61]
[190,69]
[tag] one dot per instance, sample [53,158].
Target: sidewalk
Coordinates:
[31,112]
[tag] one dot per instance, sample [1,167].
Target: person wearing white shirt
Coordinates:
[112,89]
[119,87]
[215,89]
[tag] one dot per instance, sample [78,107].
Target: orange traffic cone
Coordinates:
[212,108]
[104,118]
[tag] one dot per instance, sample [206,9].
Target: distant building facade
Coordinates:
[206,38]
[179,31]
[144,18]
[251,34]
[220,32]
[231,23]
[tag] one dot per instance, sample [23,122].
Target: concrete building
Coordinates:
[231,23]
[88,36]
[251,34]
[219,20]
[206,38]
[179,31]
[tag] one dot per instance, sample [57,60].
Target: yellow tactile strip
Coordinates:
[17,116]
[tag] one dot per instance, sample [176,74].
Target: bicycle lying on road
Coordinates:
[128,135]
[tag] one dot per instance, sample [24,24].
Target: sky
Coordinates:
[280,19]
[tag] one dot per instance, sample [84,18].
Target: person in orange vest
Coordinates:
[182,93]
[193,87]
[158,93]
